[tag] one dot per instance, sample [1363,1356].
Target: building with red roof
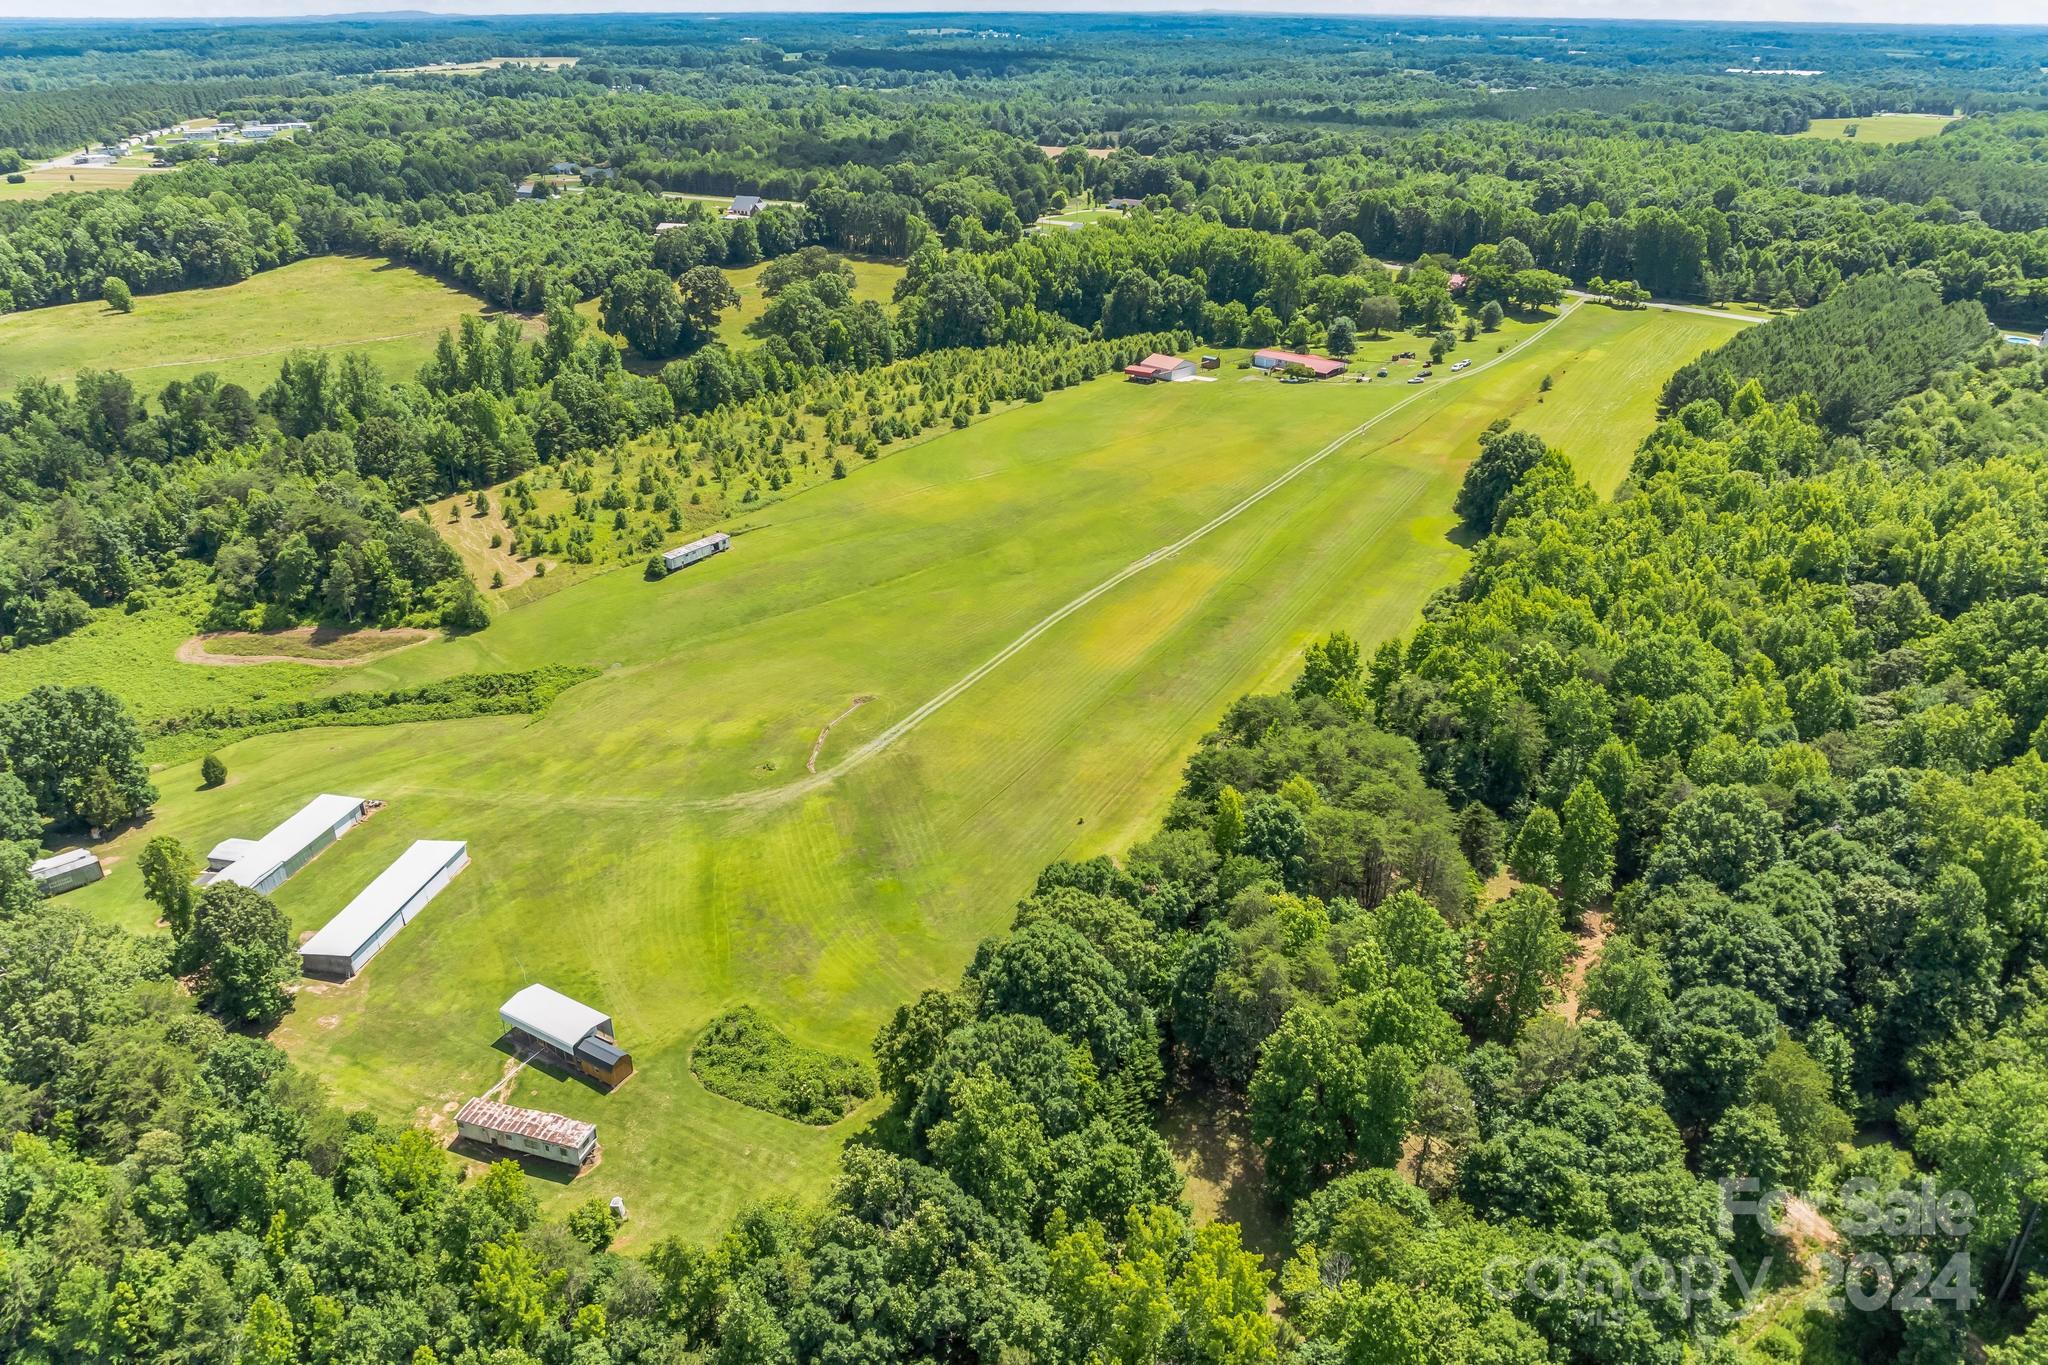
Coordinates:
[1157,368]
[1322,367]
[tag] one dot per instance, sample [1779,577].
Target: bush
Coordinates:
[114,290]
[212,771]
[656,570]
[743,1057]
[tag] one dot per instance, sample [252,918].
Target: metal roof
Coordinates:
[537,1124]
[229,851]
[715,538]
[59,863]
[299,829]
[376,903]
[552,1017]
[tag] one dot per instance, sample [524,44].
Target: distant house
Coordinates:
[660,228]
[1161,369]
[1322,367]
[522,191]
[66,871]
[746,206]
[563,168]
[570,1032]
[533,1132]
[346,943]
[1458,281]
[1123,205]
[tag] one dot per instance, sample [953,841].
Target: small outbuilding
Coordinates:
[66,871]
[530,1132]
[1161,369]
[390,902]
[270,861]
[1322,367]
[683,556]
[568,1031]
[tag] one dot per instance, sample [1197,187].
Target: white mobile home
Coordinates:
[277,855]
[685,555]
[66,871]
[532,1131]
[398,893]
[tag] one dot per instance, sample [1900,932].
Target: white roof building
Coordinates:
[228,852]
[66,871]
[348,941]
[293,844]
[552,1018]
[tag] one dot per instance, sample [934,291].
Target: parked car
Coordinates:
[1417,379]
[1383,372]
[1459,366]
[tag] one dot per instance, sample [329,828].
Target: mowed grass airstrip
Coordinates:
[654,844]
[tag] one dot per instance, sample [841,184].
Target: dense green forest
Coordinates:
[1697,835]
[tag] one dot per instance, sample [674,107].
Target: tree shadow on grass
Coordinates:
[1210,1138]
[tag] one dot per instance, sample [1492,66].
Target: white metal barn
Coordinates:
[277,855]
[66,871]
[551,1017]
[685,555]
[398,893]
[532,1131]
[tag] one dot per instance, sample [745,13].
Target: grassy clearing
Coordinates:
[652,843]
[478,68]
[42,183]
[741,1056]
[242,331]
[871,280]
[1879,130]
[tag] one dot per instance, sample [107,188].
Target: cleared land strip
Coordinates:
[792,790]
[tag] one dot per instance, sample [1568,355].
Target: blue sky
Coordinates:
[1816,11]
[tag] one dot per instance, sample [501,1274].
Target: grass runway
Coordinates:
[654,845]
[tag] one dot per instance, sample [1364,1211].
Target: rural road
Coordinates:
[790,791]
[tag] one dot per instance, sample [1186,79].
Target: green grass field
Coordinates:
[1879,130]
[242,331]
[654,844]
[41,184]
[871,280]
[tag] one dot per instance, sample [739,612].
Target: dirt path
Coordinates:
[1592,943]
[818,745]
[194,650]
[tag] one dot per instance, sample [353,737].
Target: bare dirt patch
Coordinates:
[818,745]
[317,646]
[1592,938]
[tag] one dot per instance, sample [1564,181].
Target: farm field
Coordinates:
[654,844]
[871,280]
[242,331]
[43,182]
[1880,130]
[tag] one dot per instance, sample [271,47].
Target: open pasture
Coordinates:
[1879,130]
[242,331]
[1047,609]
